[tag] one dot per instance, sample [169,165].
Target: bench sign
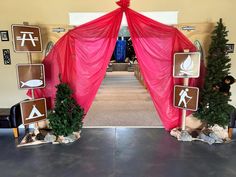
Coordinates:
[33,111]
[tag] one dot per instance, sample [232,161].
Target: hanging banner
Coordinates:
[33,111]
[186,65]
[186,97]
[30,76]
[26,38]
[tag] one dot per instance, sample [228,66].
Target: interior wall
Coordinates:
[56,12]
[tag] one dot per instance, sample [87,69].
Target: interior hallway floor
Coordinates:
[118,152]
[122,101]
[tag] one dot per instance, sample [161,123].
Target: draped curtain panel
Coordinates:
[154,45]
[81,57]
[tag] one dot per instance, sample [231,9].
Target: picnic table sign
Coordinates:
[26,38]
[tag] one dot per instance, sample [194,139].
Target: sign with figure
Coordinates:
[186,65]
[30,76]
[186,97]
[33,110]
[26,38]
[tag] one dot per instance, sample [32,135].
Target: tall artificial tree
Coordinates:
[67,115]
[213,105]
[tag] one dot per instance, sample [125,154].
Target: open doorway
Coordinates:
[122,99]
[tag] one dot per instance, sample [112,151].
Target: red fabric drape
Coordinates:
[81,57]
[154,45]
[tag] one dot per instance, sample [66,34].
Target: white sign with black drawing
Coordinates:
[186,65]
[30,76]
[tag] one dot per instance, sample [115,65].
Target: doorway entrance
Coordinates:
[122,101]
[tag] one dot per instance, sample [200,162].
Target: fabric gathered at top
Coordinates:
[81,57]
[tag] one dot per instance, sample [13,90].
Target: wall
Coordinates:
[56,12]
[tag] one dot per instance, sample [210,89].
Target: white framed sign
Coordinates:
[186,97]
[186,65]
[26,38]
[30,76]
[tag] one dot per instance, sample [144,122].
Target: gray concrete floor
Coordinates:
[122,101]
[118,152]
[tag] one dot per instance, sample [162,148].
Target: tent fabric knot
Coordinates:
[124,4]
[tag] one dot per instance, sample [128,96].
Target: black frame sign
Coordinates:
[33,111]
[26,38]
[30,76]
[187,65]
[186,97]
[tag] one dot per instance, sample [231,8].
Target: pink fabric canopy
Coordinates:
[81,57]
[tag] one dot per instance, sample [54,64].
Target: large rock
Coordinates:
[221,132]
[50,138]
[69,139]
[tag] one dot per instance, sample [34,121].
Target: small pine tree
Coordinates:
[213,106]
[67,115]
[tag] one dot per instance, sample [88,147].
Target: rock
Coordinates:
[50,138]
[45,131]
[215,137]
[221,132]
[175,132]
[206,138]
[77,134]
[39,136]
[185,136]
[69,139]
[194,133]
[28,138]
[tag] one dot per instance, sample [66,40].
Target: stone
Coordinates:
[28,138]
[175,132]
[185,136]
[221,132]
[50,138]
[215,137]
[77,134]
[70,138]
[40,136]
[206,138]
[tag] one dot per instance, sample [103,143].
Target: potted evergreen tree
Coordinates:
[66,118]
[213,105]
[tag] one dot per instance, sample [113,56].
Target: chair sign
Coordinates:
[33,110]
[30,76]
[186,97]
[186,65]
[26,38]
